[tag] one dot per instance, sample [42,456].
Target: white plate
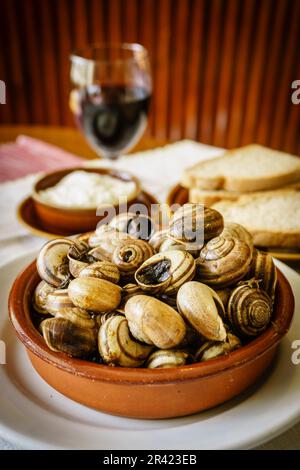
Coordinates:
[35,416]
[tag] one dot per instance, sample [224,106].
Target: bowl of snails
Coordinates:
[152,323]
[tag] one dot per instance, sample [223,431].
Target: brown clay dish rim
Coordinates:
[20,316]
[50,179]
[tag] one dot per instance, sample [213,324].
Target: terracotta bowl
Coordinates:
[146,393]
[65,220]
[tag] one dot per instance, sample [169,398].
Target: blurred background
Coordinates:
[222,69]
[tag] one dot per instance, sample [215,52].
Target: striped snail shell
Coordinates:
[249,310]
[169,244]
[128,291]
[195,224]
[78,317]
[129,255]
[104,242]
[214,349]
[58,300]
[116,345]
[166,272]
[102,270]
[223,262]
[158,238]
[52,262]
[233,230]
[42,290]
[137,225]
[76,255]
[61,335]
[264,270]
[163,359]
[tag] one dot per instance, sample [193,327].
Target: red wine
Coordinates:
[113,117]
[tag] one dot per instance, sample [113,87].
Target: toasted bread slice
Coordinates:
[246,169]
[208,198]
[272,217]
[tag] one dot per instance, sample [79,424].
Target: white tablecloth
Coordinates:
[158,170]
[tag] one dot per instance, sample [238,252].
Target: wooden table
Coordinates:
[68,138]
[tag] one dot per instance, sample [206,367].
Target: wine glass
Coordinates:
[111,95]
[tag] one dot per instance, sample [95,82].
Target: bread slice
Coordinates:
[208,198]
[249,168]
[272,217]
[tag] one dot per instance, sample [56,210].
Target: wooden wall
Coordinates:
[222,68]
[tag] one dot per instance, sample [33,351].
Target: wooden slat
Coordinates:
[211,71]
[46,37]
[193,72]
[146,36]
[244,41]
[64,50]
[284,79]
[16,80]
[97,21]
[80,23]
[162,76]
[114,21]
[226,80]
[269,87]
[130,21]
[177,69]
[260,53]
[31,54]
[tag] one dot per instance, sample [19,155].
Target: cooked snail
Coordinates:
[76,255]
[129,255]
[137,225]
[52,262]
[94,294]
[249,309]
[102,270]
[61,335]
[169,244]
[42,290]
[78,317]
[153,322]
[116,345]
[104,241]
[195,223]
[130,290]
[223,262]
[163,359]
[264,270]
[200,306]
[233,230]
[57,300]
[158,238]
[214,349]
[166,272]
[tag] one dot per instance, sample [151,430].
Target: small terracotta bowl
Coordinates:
[65,220]
[146,393]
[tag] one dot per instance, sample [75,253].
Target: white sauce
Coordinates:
[82,189]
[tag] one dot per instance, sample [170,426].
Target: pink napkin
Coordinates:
[27,155]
